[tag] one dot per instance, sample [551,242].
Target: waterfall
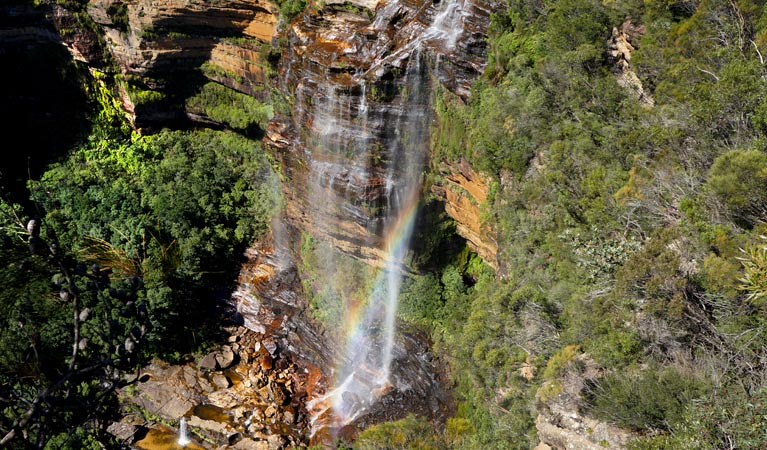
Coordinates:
[367,160]
[364,371]
[448,24]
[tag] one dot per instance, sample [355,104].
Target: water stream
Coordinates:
[183,434]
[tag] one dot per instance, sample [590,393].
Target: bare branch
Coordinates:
[756,47]
[710,73]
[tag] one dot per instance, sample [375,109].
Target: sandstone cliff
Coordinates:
[465,193]
[166,50]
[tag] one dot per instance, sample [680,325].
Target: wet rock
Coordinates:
[348,94]
[266,362]
[270,411]
[234,438]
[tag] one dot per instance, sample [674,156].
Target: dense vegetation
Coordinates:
[137,236]
[630,227]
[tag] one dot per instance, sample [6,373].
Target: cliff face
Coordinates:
[350,71]
[167,50]
[464,192]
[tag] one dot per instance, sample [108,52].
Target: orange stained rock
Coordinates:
[263,26]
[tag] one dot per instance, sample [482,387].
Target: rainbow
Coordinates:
[352,374]
[396,242]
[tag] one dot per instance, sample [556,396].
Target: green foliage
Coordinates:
[573,23]
[118,14]
[732,416]
[737,179]
[654,275]
[448,135]
[290,8]
[648,400]
[411,433]
[559,361]
[174,209]
[68,333]
[754,280]
[420,299]
[226,106]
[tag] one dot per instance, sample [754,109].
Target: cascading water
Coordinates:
[364,372]
[183,434]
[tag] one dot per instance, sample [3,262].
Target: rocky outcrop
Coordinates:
[251,396]
[166,50]
[562,425]
[620,45]
[464,192]
[344,148]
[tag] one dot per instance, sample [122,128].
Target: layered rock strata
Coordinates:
[465,192]
[347,69]
[166,50]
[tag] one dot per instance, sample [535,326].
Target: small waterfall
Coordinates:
[448,24]
[183,434]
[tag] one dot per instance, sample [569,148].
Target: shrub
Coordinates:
[229,107]
[410,433]
[737,179]
[648,400]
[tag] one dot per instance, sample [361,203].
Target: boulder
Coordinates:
[276,442]
[211,425]
[122,431]
[250,444]
[220,380]
[225,358]
[208,361]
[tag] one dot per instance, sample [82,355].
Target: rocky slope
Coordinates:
[560,423]
[246,394]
